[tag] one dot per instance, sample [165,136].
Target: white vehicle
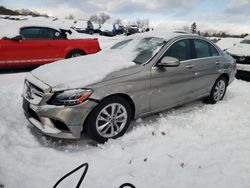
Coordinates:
[241,53]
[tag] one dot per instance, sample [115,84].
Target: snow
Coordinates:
[226,43]
[83,71]
[234,46]
[81,24]
[240,49]
[196,145]
[107,27]
[10,28]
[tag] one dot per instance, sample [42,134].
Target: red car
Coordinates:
[40,45]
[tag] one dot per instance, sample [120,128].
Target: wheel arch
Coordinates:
[72,50]
[225,75]
[124,96]
[127,98]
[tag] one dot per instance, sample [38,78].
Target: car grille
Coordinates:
[32,92]
[242,59]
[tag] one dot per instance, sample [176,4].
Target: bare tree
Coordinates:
[70,17]
[103,17]
[186,28]
[142,23]
[99,18]
[118,21]
[94,18]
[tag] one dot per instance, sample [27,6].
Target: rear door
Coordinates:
[207,65]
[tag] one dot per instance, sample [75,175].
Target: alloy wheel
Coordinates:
[111,120]
[219,90]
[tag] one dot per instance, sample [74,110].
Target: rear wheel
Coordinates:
[110,119]
[218,91]
[75,53]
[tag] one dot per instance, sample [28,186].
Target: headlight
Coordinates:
[71,97]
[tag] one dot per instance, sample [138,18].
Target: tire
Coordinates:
[101,125]
[218,91]
[75,53]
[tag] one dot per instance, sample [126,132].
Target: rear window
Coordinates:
[202,48]
[214,51]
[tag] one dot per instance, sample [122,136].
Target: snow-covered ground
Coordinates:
[195,145]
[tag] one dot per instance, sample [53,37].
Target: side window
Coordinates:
[202,48]
[50,34]
[30,33]
[214,51]
[180,50]
[47,33]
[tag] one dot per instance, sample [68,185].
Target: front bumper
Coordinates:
[243,67]
[58,121]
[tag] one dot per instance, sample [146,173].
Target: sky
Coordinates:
[232,16]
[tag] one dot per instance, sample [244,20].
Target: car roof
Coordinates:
[165,35]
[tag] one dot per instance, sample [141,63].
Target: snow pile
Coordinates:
[195,145]
[83,71]
[107,27]
[10,28]
[240,49]
[81,24]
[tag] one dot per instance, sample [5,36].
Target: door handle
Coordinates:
[189,66]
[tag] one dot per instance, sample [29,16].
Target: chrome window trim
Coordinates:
[189,38]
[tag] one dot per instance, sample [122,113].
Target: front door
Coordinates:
[173,85]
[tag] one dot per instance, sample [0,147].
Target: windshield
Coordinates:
[147,48]
[245,41]
[142,50]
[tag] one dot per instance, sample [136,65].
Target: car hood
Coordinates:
[240,50]
[86,70]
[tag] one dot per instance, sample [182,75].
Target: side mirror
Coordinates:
[169,62]
[17,38]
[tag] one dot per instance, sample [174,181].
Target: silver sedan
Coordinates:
[140,75]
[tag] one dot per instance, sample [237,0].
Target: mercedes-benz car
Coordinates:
[145,73]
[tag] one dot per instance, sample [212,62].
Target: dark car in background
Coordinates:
[108,30]
[241,53]
[83,26]
[132,29]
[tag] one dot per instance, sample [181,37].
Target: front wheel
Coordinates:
[218,91]
[110,119]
